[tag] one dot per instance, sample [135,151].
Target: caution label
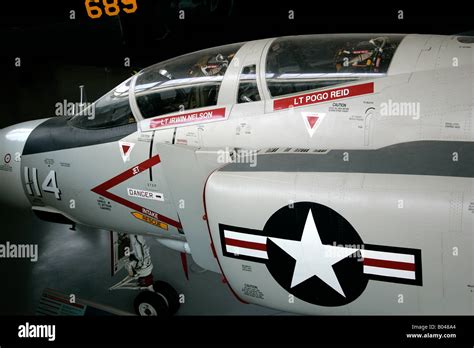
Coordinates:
[150,220]
[189,118]
[323,96]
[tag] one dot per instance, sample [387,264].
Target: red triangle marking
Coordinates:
[125,149]
[103,188]
[312,120]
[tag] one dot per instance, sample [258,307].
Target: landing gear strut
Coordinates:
[157,298]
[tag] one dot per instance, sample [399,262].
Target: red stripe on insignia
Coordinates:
[245,244]
[389,264]
[103,188]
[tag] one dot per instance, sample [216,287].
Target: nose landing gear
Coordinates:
[157,298]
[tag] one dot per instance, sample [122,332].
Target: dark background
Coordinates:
[58,53]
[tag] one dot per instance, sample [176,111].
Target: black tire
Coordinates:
[149,303]
[169,293]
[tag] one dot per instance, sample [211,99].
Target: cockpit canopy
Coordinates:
[187,82]
[301,63]
[293,65]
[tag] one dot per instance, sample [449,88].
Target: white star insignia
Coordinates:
[313,258]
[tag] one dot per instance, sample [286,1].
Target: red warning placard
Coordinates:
[323,96]
[192,117]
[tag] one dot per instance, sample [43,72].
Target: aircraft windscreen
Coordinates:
[111,110]
[302,63]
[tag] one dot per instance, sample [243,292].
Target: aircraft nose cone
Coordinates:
[12,141]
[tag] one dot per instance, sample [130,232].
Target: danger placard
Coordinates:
[145,194]
[323,96]
[189,118]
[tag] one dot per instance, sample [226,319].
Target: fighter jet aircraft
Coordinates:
[319,174]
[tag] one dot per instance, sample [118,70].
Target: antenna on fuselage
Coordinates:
[82,100]
[83,94]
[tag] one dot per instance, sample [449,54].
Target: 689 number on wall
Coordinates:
[96,8]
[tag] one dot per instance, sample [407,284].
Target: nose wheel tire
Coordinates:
[149,303]
[162,302]
[169,293]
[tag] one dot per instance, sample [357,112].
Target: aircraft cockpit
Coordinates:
[186,82]
[192,81]
[296,64]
